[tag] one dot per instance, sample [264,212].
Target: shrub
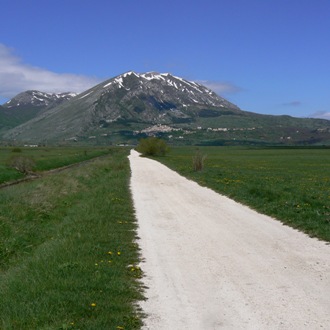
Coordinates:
[22,164]
[152,146]
[16,149]
[198,161]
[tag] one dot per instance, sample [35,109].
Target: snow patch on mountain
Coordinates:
[85,95]
[129,74]
[152,75]
[119,81]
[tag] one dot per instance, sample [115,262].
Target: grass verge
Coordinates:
[291,185]
[68,254]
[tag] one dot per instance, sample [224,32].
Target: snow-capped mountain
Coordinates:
[166,88]
[37,98]
[28,105]
[157,98]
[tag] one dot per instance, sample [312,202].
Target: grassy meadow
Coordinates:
[68,249]
[44,158]
[292,185]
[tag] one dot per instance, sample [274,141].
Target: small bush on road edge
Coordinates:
[152,146]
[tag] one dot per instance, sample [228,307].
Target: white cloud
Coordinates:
[321,114]
[17,76]
[220,87]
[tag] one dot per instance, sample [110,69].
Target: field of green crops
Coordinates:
[292,185]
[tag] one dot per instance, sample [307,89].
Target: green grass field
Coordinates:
[292,185]
[44,158]
[68,249]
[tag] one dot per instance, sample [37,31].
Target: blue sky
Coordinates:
[266,56]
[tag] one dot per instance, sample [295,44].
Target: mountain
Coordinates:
[133,105]
[28,105]
[38,99]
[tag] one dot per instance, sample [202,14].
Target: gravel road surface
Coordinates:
[211,263]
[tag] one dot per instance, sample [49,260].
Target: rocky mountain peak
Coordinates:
[165,87]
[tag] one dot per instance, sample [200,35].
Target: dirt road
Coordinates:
[211,263]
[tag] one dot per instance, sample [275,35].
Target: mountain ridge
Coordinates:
[38,98]
[27,105]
